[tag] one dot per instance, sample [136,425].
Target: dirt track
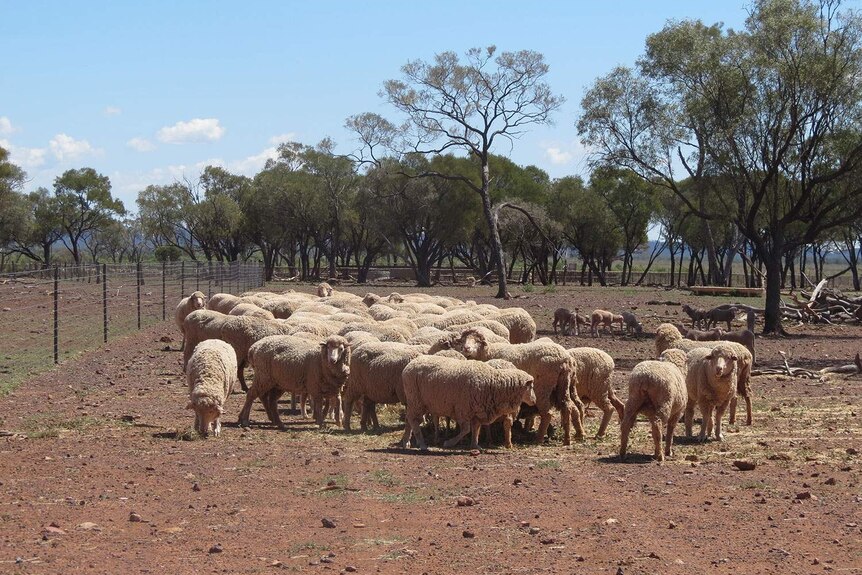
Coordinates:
[98,440]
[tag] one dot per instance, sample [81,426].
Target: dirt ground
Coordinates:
[99,474]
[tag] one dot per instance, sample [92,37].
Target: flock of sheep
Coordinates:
[441,357]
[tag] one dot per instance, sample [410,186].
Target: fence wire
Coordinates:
[54,314]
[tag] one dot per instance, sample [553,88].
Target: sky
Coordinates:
[151,92]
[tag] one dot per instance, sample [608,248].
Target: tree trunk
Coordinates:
[496,244]
[772,315]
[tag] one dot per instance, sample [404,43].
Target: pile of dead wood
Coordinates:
[853,368]
[822,305]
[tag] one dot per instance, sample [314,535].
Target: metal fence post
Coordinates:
[105,300]
[138,282]
[56,315]
[164,302]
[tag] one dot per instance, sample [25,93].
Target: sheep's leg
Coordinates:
[529,421]
[198,423]
[566,423]
[372,415]
[464,428]
[217,427]
[293,402]
[250,395]
[507,430]
[270,403]
[689,417]
[732,411]
[575,409]
[719,413]
[626,425]
[336,405]
[544,422]
[668,441]
[747,409]
[415,425]
[348,402]
[474,439]
[318,410]
[617,404]
[655,431]
[303,405]
[706,410]
[404,442]
[240,368]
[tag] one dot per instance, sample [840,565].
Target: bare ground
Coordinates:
[98,475]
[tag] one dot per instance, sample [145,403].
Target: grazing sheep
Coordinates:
[718,314]
[563,317]
[552,368]
[427,335]
[667,336]
[375,376]
[711,384]
[197,300]
[631,322]
[448,319]
[472,393]
[380,331]
[699,335]
[743,336]
[521,325]
[605,318]
[592,382]
[211,376]
[288,363]
[251,309]
[489,335]
[697,315]
[324,289]
[223,302]
[499,330]
[656,389]
[283,307]
[239,331]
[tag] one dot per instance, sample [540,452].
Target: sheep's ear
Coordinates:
[734,358]
[190,405]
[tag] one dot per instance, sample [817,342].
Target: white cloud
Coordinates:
[141,145]
[27,158]
[196,130]
[6,125]
[253,164]
[558,156]
[282,138]
[112,111]
[65,147]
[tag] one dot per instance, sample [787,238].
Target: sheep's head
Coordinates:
[336,351]
[324,289]
[396,297]
[639,328]
[676,357]
[370,299]
[473,344]
[529,396]
[723,361]
[198,300]
[207,413]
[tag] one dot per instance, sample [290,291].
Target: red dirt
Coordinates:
[98,439]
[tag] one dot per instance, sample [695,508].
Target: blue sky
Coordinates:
[149,92]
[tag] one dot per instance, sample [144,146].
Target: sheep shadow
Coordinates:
[632,458]
[432,451]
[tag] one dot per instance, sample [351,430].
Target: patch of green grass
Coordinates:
[548,464]
[528,288]
[409,495]
[383,477]
[307,546]
[759,485]
[549,289]
[50,425]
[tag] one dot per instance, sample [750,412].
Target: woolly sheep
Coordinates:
[492,325]
[251,309]
[427,335]
[380,331]
[631,323]
[605,318]
[711,384]
[289,363]
[197,300]
[700,335]
[718,314]
[211,377]
[521,325]
[667,336]
[375,375]
[239,331]
[324,289]
[470,392]
[552,368]
[656,389]
[448,319]
[591,381]
[282,307]
[222,302]
[743,337]
[697,315]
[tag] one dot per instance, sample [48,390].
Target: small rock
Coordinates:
[328,523]
[467,534]
[671,525]
[464,501]
[654,555]
[830,481]
[7,309]
[620,571]
[166,339]
[135,518]
[692,457]
[803,495]
[517,482]
[52,530]
[325,560]
[475,452]
[217,548]
[350,569]
[611,521]
[533,530]
[852,451]
[780,457]
[547,541]
[359,525]
[196,487]
[816,561]
[89,526]
[276,563]
[743,465]
[335,452]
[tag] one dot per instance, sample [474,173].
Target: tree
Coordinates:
[11,202]
[166,216]
[468,106]
[84,204]
[773,113]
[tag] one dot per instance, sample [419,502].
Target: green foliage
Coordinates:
[168,254]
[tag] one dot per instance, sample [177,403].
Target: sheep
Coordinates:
[450,318]
[211,377]
[427,335]
[631,323]
[197,300]
[370,299]
[697,315]
[699,335]
[711,384]
[288,363]
[494,326]
[718,314]
[251,309]
[563,317]
[667,336]
[382,332]
[324,289]
[605,318]
[222,302]
[552,368]
[489,335]
[656,389]
[472,393]
[743,337]
[592,382]
[282,307]
[239,331]
[375,376]
[521,325]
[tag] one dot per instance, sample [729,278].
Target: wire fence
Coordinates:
[53,314]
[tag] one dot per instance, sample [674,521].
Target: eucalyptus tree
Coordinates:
[466,105]
[84,205]
[166,215]
[774,110]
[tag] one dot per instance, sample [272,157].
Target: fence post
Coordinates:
[138,282]
[105,300]
[182,279]
[56,315]
[197,276]
[164,303]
